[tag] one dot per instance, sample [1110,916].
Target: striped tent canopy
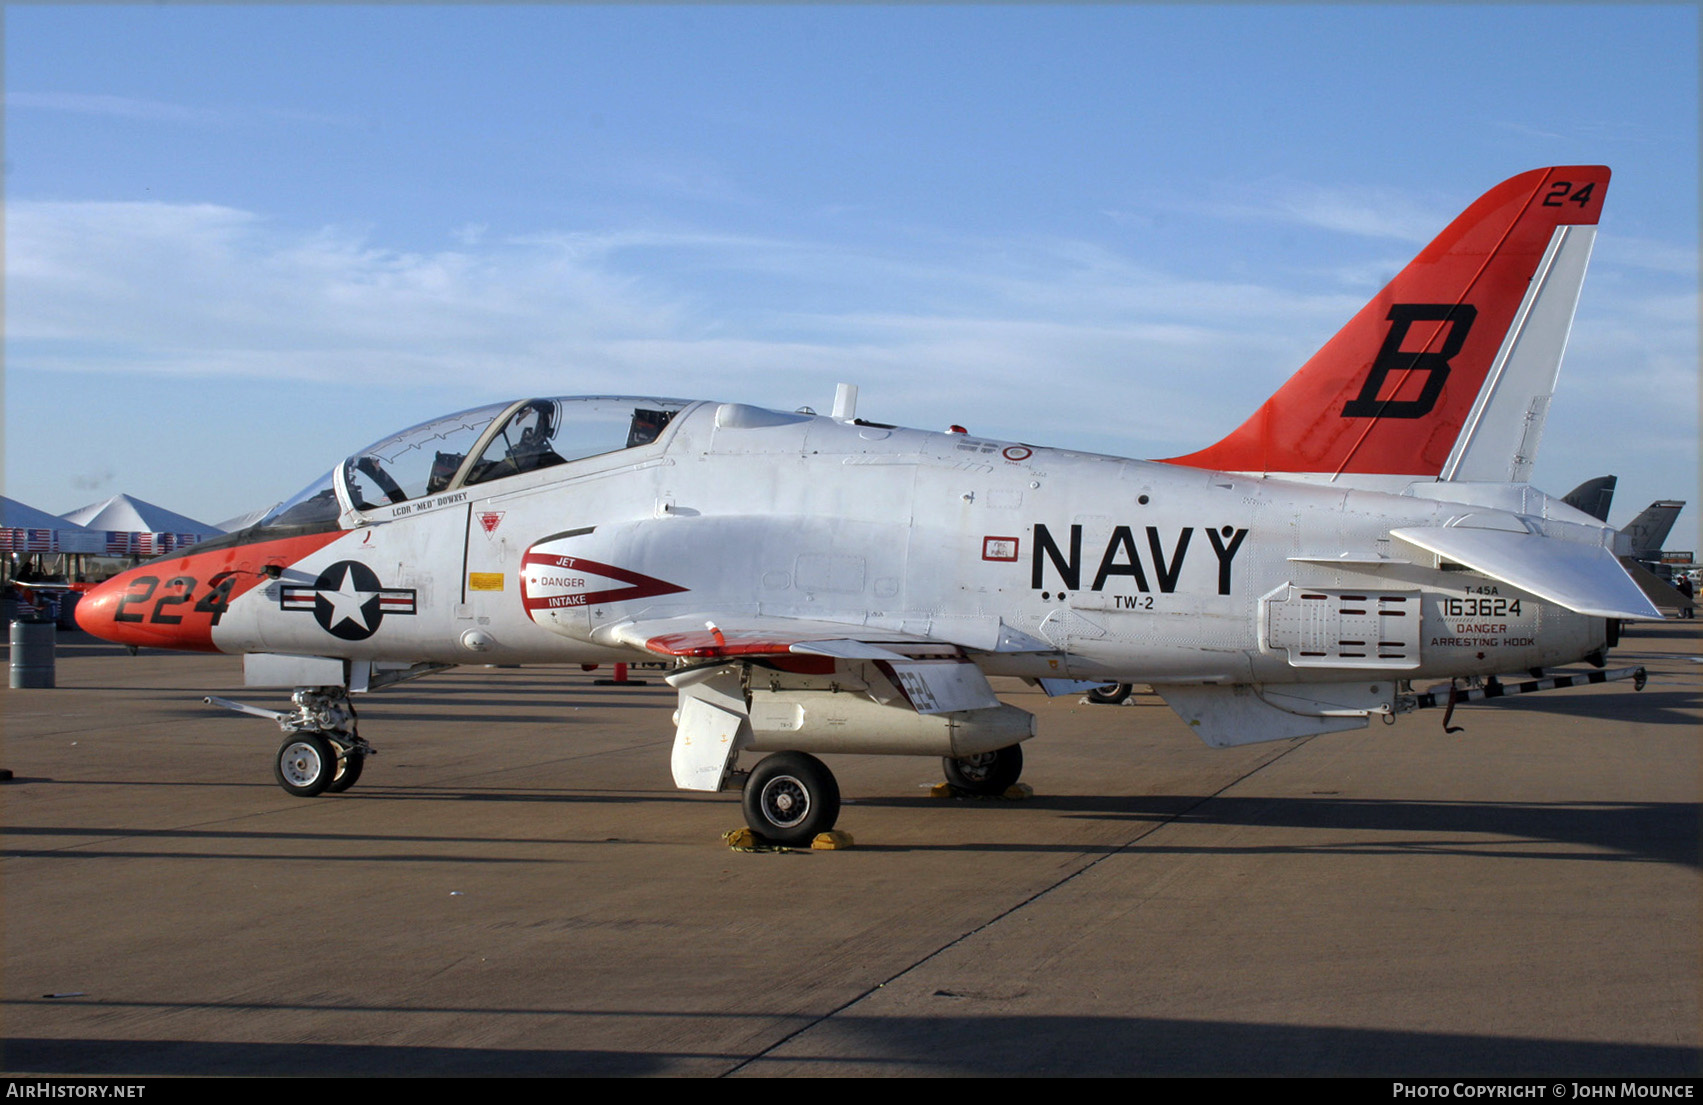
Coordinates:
[134,527]
[23,528]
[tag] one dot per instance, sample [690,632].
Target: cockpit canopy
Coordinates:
[475,447]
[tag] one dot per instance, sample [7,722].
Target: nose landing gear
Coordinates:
[323,753]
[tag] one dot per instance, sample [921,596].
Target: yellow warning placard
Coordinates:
[484,581]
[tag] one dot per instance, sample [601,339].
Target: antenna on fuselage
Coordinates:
[845,402]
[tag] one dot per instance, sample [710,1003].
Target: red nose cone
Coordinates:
[152,606]
[180,601]
[95,609]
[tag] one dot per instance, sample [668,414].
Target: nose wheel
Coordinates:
[791,797]
[348,771]
[311,764]
[306,764]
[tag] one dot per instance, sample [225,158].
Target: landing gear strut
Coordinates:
[790,797]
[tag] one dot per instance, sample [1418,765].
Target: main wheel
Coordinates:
[790,797]
[986,773]
[348,772]
[1111,694]
[306,764]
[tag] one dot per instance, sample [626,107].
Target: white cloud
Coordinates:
[117,107]
[139,109]
[1364,212]
[1052,340]
[1646,253]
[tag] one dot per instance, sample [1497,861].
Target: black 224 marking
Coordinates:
[214,602]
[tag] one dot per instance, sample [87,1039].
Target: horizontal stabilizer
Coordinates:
[1659,590]
[1587,579]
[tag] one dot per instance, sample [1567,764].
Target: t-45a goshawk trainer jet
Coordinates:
[826,584]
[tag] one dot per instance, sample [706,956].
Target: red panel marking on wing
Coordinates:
[703,643]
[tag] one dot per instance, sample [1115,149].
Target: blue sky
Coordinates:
[243,241]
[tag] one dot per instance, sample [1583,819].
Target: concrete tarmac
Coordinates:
[515,887]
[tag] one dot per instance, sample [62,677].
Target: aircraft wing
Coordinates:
[933,676]
[707,636]
[1583,578]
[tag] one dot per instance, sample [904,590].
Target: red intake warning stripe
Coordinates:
[550,581]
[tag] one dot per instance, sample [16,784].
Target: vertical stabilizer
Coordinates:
[1447,372]
[1594,497]
[1650,529]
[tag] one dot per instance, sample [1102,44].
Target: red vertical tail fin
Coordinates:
[1446,368]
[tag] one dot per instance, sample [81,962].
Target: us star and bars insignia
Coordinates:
[348,600]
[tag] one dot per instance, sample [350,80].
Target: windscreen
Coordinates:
[424,459]
[315,504]
[418,461]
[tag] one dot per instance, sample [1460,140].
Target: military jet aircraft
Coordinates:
[1649,531]
[1594,496]
[828,584]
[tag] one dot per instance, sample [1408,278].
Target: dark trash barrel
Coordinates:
[32,653]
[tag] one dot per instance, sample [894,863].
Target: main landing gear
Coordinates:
[990,773]
[322,752]
[791,797]
[1111,694]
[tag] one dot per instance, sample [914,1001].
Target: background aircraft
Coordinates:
[1594,497]
[830,584]
[1649,531]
